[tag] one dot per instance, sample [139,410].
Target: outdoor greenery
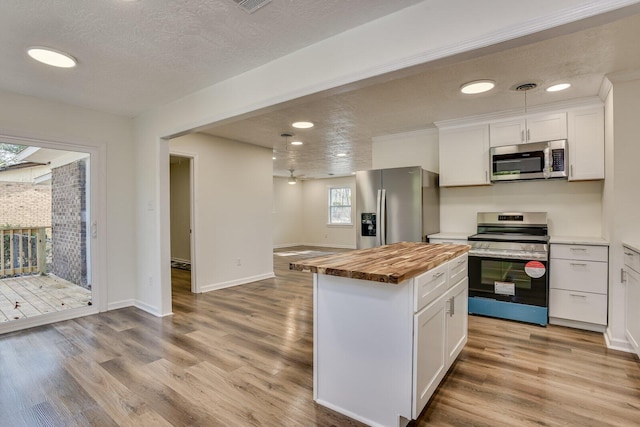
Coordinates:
[8,153]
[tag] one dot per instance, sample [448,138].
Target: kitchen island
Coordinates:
[388,323]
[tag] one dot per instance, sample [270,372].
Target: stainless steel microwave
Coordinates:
[538,160]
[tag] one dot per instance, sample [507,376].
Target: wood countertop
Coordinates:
[392,264]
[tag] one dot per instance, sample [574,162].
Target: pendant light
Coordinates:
[292,179]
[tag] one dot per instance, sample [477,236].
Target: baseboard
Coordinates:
[180,260]
[325,245]
[237,282]
[150,309]
[120,304]
[617,344]
[286,245]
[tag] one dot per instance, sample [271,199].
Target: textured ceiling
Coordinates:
[346,122]
[128,50]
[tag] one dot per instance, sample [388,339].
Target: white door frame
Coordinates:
[96,223]
[193,226]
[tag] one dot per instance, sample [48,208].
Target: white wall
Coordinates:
[315,214]
[622,192]
[233,207]
[180,188]
[287,213]
[28,117]
[574,208]
[418,148]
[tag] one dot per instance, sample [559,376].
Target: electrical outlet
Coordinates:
[238,261]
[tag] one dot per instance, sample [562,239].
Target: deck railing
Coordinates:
[23,250]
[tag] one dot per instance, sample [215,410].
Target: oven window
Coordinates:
[492,271]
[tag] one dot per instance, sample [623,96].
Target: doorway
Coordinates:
[181,189]
[48,232]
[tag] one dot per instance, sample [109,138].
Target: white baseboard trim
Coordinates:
[120,304]
[183,261]
[150,309]
[286,245]
[617,344]
[237,282]
[324,245]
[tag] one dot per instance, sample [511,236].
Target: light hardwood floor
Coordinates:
[243,357]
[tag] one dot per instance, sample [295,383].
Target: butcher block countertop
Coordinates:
[392,264]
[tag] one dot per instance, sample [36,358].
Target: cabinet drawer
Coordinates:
[581,252]
[429,286]
[631,258]
[450,241]
[578,306]
[578,275]
[458,269]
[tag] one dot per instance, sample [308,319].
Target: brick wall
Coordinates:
[68,196]
[24,204]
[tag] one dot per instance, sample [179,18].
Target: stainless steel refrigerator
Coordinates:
[396,205]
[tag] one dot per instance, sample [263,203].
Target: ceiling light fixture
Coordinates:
[302,125]
[477,86]
[292,179]
[558,87]
[52,57]
[296,142]
[341,154]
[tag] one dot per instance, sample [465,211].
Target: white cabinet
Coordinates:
[632,283]
[464,156]
[547,127]
[457,302]
[586,144]
[578,286]
[430,354]
[429,286]
[440,334]
[445,240]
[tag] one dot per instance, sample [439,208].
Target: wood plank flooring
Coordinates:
[243,357]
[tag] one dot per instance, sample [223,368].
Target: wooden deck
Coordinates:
[29,296]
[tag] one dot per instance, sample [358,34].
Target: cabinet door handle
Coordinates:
[486,176]
[452,306]
[460,261]
[583,264]
[577,295]
[623,279]
[528,134]
[571,170]
[629,253]
[435,276]
[522,135]
[578,249]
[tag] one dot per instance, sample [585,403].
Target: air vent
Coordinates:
[251,6]
[523,87]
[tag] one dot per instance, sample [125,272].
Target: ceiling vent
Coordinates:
[523,87]
[251,6]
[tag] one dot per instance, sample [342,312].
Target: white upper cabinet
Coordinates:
[586,144]
[464,156]
[547,127]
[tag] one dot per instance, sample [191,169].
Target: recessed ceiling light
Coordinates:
[273,158]
[341,154]
[296,142]
[52,57]
[477,86]
[302,125]
[558,87]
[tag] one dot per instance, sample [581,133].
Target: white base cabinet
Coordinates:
[578,286]
[631,275]
[381,350]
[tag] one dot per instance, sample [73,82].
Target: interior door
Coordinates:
[403,204]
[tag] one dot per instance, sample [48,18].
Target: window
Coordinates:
[340,205]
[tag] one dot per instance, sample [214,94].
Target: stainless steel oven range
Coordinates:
[508,266]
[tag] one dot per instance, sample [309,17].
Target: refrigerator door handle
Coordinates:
[383,217]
